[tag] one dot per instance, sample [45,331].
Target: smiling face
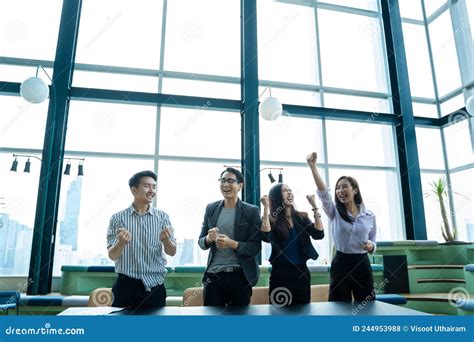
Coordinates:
[230,187]
[145,191]
[345,192]
[287,195]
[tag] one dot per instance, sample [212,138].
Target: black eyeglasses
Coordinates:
[229,181]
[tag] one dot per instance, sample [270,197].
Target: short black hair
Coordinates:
[237,173]
[137,177]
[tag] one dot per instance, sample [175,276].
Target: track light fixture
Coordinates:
[270,175]
[67,170]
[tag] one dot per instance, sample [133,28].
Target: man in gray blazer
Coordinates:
[231,231]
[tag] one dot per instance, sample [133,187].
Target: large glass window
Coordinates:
[430,149]
[120,33]
[18,193]
[86,206]
[366,104]
[363,4]
[458,144]
[201,88]
[22,124]
[358,59]
[185,132]
[107,127]
[299,179]
[418,61]
[463,196]
[432,6]
[29,28]
[411,9]
[446,65]
[203,37]
[290,139]
[360,143]
[433,217]
[278,25]
[184,190]
[381,194]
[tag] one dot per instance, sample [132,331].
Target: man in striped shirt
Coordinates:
[137,240]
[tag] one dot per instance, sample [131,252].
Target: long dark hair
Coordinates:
[341,208]
[279,224]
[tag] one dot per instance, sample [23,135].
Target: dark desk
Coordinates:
[375,308]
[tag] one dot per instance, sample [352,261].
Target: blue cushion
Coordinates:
[7,306]
[469,268]
[9,297]
[101,269]
[467,305]
[377,268]
[42,300]
[390,298]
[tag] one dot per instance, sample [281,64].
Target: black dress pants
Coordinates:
[226,289]
[290,284]
[130,292]
[351,276]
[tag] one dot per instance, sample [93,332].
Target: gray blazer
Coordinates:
[246,233]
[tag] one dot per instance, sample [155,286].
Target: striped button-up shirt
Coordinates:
[349,237]
[143,257]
